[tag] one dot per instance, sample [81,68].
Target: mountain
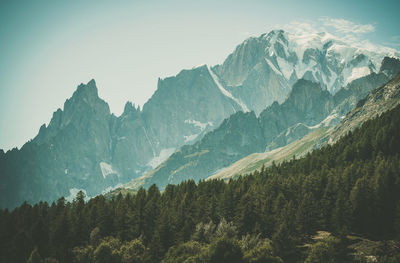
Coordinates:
[259,71]
[270,64]
[309,107]
[185,106]
[86,147]
[73,151]
[379,100]
[240,135]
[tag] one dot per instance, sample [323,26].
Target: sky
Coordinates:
[49,47]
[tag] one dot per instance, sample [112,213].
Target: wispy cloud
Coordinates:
[301,27]
[346,26]
[337,26]
[343,30]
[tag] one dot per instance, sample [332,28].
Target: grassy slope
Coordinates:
[255,161]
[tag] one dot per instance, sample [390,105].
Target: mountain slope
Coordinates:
[379,100]
[237,136]
[307,108]
[256,161]
[307,103]
[240,135]
[185,106]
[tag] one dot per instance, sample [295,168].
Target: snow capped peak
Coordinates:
[275,34]
[321,57]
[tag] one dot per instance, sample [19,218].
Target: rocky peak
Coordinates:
[309,102]
[83,107]
[390,66]
[87,93]
[238,64]
[130,107]
[130,111]
[305,93]
[277,34]
[305,86]
[239,118]
[183,76]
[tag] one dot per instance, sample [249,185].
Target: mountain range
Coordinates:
[307,108]
[379,100]
[270,91]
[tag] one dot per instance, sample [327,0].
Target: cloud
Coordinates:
[342,30]
[346,26]
[301,27]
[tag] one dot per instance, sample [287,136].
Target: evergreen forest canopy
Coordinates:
[349,189]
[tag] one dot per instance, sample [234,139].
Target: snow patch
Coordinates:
[147,137]
[225,92]
[106,169]
[303,68]
[190,138]
[271,52]
[292,128]
[332,79]
[272,66]
[357,73]
[157,160]
[202,126]
[199,66]
[199,124]
[110,188]
[286,67]
[326,122]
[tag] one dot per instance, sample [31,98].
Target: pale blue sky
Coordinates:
[49,47]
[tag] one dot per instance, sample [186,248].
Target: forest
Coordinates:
[346,190]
